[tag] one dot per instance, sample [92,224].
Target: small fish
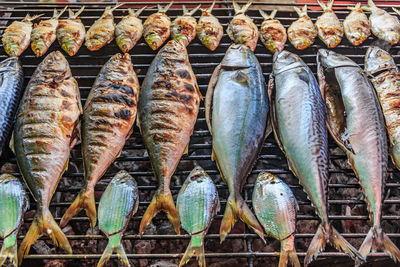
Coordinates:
[330,29]
[118,204]
[384,26]
[302,32]
[108,117]
[242,29]
[102,30]
[356,25]
[44,34]
[209,30]
[275,207]
[197,203]
[183,28]
[71,32]
[17,35]
[11,88]
[13,204]
[156,28]
[129,30]
[272,33]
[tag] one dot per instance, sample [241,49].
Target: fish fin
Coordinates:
[357,6]
[273,120]
[164,9]
[210,8]
[73,15]
[236,208]
[195,247]
[209,96]
[9,250]
[317,245]
[56,15]
[29,18]
[396,10]
[194,10]
[137,12]
[322,5]
[241,77]
[244,8]
[186,151]
[43,224]
[114,245]
[84,200]
[162,201]
[115,7]
[330,4]
[270,16]
[185,10]
[288,253]
[301,12]
[12,144]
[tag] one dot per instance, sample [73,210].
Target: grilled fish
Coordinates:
[237,109]
[118,204]
[108,117]
[44,34]
[275,207]
[44,134]
[383,25]
[360,133]
[156,27]
[129,30]
[102,30]
[356,25]
[168,106]
[298,118]
[183,28]
[13,204]
[17,35]
[272,33]
[71,32]
[208,29]
[242,29]
[197,203]
[330,29]
[302,32]
[11,88]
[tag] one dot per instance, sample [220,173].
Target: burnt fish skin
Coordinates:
[11,88]
[129,30]
[44,134]
[356,25]
[237,109]
[71,32]
[107,121]
[330,29]
[156,28]
[13,204]
[197,203]
[169,102]
[118,204]
[209,30]
[275,207]
[361,134]
[298,119]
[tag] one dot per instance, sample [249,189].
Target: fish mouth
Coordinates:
[378,60]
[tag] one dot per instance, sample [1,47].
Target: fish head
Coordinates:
[285,60]
[125,43]
[122,177]
[329,59]
[377,60]
[392,37]
[154,40]
[9,63]
[38,47]
[13,49]
[237,56]
[198,174]
[5,178]
[56,62]
[268,178]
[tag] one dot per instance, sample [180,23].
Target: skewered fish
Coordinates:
[356,25]
[71,32]
[209,30]
[183,28]
[330,29]
[302,32]
[156,28]
[272,33]
[129,30]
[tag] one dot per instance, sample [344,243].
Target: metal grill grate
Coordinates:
[347,209]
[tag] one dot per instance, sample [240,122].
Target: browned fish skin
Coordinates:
[108,117]
[129,30]
[356,25]
[71,32]
[302,32]
[330,29]
[183,28]
[168,106]
[209,30]
[156,27]
[272,32]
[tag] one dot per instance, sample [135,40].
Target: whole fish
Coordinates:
[356,25]
[107,121]
[298,118]
[168,106]
[383,25]
[183,28]
[44,34]
[102,30]
[209,30]
[118,204]
[71,32]
[275,207]
[13,204]
[330,29]
[44,134]
[156,27]
[242,29]
[197,203]
[237,109]
[385,77]
[11,88]
[272,33]
[17,35]
[302,32]
[129,30]
[356,123]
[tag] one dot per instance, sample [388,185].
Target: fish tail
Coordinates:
[266,16]
[357,6]
[162,201]
[236,208]
[9,250]
[84,200]
[288,253]
[43,224]
[114,245]
[195,247]
[396,10]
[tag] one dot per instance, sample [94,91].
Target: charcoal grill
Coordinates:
[242,247]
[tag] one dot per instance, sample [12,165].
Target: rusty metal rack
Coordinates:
[242,248]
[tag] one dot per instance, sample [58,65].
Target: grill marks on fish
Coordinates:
[330,29]
[71,32]
[272,32]
[129,30]
[209,30]
[302,32]
[356,25]
[156,28]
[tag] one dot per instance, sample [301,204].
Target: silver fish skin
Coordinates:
[298,119]
[197,204]
[11,88]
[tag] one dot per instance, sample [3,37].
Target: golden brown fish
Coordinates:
[71,32]
[356,25]
[183,28]
[129,30]
[156,27]
[330,29]
[302,32]
[272,33]
[209,30]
